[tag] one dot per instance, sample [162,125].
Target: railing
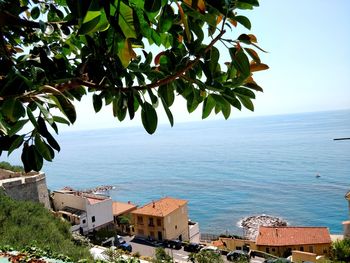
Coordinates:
[205,237]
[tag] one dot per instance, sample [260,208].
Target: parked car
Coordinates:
[176,244]
[125,246]
[147,241]
[237,255]
[193,247]
[119,240]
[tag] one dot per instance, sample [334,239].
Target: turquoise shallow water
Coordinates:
[225,169]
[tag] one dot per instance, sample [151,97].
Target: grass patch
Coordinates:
[13,168]
[24,223]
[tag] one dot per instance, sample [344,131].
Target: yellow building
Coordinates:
[166,218]
[281,241]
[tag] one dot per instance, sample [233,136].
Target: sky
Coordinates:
[308,44]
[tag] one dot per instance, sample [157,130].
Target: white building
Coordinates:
[86,212]
[193,229]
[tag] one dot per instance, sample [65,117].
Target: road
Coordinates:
[179,256]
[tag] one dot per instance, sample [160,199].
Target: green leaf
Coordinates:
[51,140]
[240,62]
[97,102]
[31,117]
[149,117]
[60,120]
[12,109]
[245,92]
[42,148]
[152,5]
[35,158]
[126,20]
[166,92]
[25,158]
[153,97]
[244,21]
[16,144]
[225,106]
[35,12]
[17,127]
[246,102]
[208,105]
[89,26]
[65,106]
[168,113]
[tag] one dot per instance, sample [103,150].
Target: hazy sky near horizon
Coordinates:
[308,44]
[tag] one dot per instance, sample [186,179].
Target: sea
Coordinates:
[287,166]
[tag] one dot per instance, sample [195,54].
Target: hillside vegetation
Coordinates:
[24,224]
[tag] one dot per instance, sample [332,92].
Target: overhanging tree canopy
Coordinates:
[55,52]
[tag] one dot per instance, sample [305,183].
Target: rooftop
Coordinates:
[161,208]
[120,208]
[288,236]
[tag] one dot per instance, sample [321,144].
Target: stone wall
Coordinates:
[30,187]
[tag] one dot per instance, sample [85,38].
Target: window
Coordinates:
[84,221]
[150,222]
[311,249]
[159,222]
[238,248]
[267,250]
[325,251]
[175,226]
[301,248]
[93,219]
[140,232]
[273,249]
[151,233]
[140,220]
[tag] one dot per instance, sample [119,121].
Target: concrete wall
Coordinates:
[194,233]
[62,199]
[176,224]
[300,256]
[31,187]
[234,243]
[346,226]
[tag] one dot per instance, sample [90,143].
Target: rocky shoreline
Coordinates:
[251,224]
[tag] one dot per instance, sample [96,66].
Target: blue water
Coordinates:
[225,169]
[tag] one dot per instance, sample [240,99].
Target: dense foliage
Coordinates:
[13,168]
[132,54]
[27,224]
[341,250]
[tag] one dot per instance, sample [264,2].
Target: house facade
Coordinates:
[122,216]
[166,218]
[86,212]
[281,241]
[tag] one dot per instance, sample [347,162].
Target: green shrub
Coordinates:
[25,224]
[13,168]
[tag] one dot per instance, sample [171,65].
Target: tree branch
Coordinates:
[164,80]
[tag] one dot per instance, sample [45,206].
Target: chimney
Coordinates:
[276,229]
[153,204]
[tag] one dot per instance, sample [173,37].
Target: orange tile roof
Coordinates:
[93,201]
[288,236]
[120,208]
[160,208]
